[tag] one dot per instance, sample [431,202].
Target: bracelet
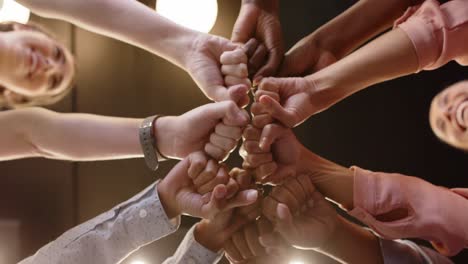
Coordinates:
[148,143]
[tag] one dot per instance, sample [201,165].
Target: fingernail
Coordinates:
[252,195]
[281,212]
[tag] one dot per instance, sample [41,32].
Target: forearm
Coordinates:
[359,24]
[125,20]
[332,180]
[352,244]
[38,132]
[388,57]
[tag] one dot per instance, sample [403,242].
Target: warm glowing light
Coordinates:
[296,262]
[195,14]
[138,262]
[12,11]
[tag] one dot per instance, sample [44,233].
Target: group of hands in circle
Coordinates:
[239,215]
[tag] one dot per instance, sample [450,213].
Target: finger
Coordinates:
[222,177]
[198,162]
[307,185]
[255,160]
[260,121]
[234,118]
[235,70]
[207,174]
[264,171]
[232,188]
[250,47]
[236,56]
[224,143]
[238,93]
[244,179]
[264,226]
[273,41]
[232,80]
[276,110]
[260,93]
[245,25]
[284,196]
[243,198]
[251,236]
[258,59]
[252,133]
[281,174]
[244,101]
[233,132]
[215,152]
[231,251]
[272,64]
[271,84]
[270,240]
[270,134]
[294,187]
[241,245]
[251,147]
[285,221]
[269,206]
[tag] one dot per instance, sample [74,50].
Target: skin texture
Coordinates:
[36,132]
[33,64]
[259,19]
[195,52]
[449,115]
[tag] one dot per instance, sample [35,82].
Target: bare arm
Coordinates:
[37,132]
[126,20]
[359,24]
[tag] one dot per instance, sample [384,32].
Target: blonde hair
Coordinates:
[41,100]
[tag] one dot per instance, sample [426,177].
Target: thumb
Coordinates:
[277,111]
[228,111]
[245,25]
[270,134]
[243,198]
[285,224]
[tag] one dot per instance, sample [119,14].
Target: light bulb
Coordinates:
[195,14]
[12,11]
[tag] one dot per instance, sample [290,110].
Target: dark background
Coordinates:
[383,128]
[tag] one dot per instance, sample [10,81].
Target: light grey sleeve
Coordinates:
[191,252]
[407,252]
[111,236]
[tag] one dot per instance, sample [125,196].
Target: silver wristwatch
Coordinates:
[148,142]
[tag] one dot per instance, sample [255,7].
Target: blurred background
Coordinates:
[383,128]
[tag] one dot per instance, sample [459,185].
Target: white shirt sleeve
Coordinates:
[111,236]
[192,252]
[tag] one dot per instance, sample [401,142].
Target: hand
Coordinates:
[292,100]
[305,57]
[259,19]
[203,65]
[213,233]
[245,247]
[177,137]
[178,191]
[310,228]
[274,152]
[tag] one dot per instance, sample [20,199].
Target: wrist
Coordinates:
[164,135]
[167,197]
[332,180]
[207,236]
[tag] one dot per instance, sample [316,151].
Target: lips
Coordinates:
[462,114]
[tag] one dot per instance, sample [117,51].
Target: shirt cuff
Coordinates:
[190,251]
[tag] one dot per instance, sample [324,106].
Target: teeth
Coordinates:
[462,112]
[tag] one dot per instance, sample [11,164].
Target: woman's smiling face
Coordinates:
[449,115]
[35,64]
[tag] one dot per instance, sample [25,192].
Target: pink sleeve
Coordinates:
[439,32]
[425,211]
